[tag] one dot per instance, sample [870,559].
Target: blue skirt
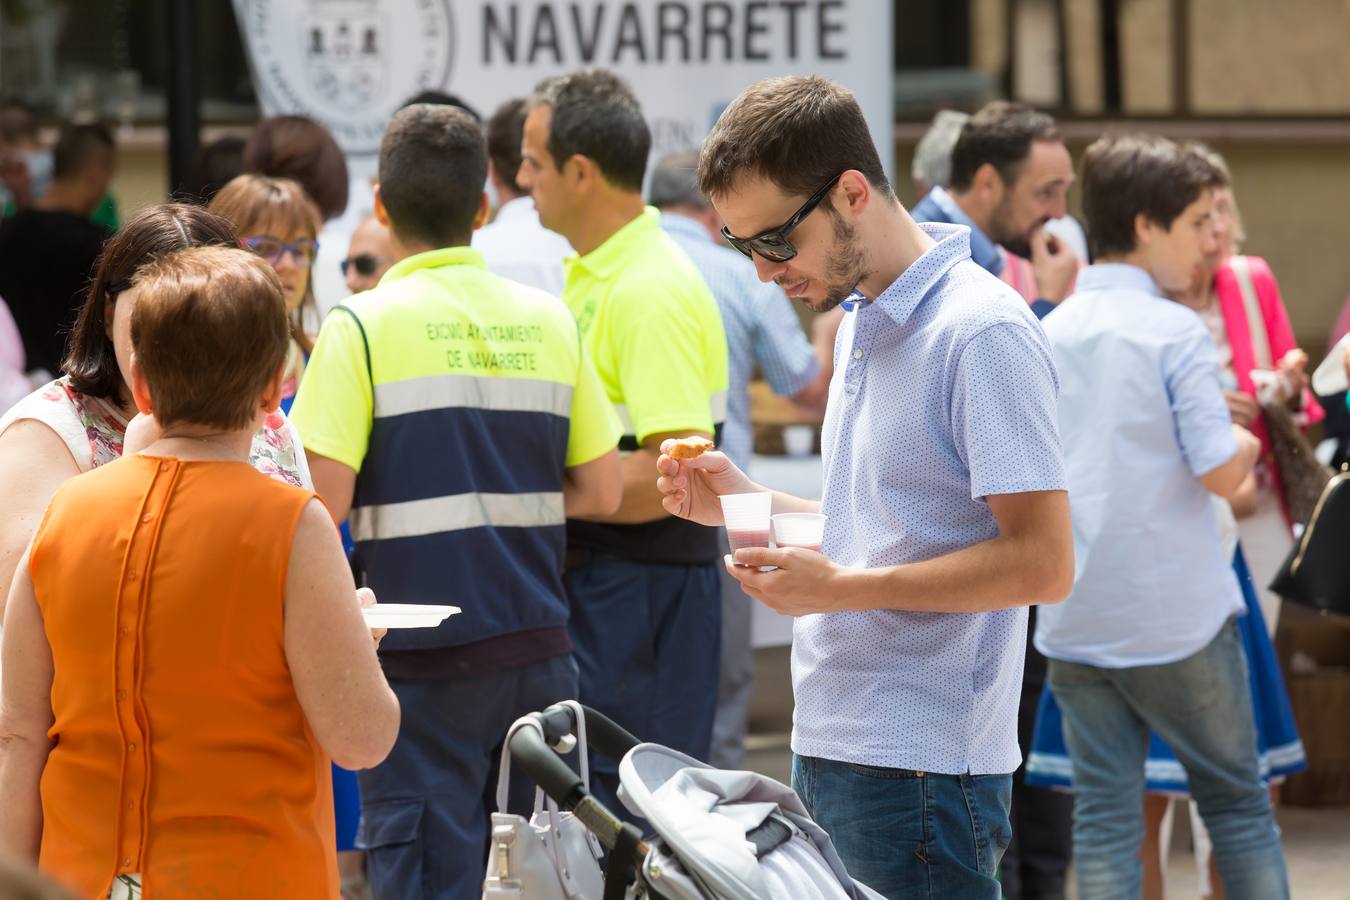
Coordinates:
[1282,752]
[346,807]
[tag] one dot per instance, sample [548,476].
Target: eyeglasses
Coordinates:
[365,264]
[773,244]
[273,249]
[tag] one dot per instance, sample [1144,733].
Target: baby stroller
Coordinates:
[719,835]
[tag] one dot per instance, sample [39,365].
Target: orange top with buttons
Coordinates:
[181,751]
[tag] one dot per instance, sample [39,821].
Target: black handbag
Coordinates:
[1317,570]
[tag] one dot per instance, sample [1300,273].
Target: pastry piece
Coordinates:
[689,448]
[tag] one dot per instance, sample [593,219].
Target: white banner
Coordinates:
[351,63]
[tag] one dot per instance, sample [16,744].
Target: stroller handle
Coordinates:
[535,754]
[546,768]
[602,732]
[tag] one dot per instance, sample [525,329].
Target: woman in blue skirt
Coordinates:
[1281,750]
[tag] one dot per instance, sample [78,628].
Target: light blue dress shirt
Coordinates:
[943,394]
[1142,415]
[761,327]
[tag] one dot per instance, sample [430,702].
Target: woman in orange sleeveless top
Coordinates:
[183,653]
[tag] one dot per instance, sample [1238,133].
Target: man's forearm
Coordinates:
[790,503]
[641,500]
[1002,573]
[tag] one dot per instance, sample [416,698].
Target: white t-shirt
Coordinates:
[517,247]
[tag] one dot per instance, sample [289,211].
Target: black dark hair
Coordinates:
[214,166]
[433,161]
[299,148]
[79,147]
[504,131]
[18,120]
[155,231]
[1125,176]
[596,115]
[1001,135]
[442,98]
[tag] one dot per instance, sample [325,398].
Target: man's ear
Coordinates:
[381,214]
[480,218]
[988,182]
[581,172]
[140,391]
[857,191]
[1144,230]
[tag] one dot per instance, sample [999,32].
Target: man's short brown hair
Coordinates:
[1000,134]
[209,331]
[1125,176]
[797,132]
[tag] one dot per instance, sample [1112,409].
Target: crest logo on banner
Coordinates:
[347,63]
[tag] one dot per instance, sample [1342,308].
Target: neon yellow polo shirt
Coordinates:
[653,330]
[655,333]
[445,331]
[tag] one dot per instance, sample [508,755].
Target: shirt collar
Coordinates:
[685,227]
[983,250]
[609,257]
[519,208]
[915,283]
[1116,277]
[435,259]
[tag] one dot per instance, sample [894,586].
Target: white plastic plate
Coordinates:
[406,615]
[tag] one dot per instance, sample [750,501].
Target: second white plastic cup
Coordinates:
[805,530]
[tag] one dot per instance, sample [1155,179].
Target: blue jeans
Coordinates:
[1202,707]
[911,835]
[425,810]
[647,639]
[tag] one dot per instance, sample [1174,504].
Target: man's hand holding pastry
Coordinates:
[693,476]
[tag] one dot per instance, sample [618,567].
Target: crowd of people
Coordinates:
[1038,614]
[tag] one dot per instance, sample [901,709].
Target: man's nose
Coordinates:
[767,269]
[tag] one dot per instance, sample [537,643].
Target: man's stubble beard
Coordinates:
[1001,230]
[846,268]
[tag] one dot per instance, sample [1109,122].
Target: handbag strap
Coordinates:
[504,769]
[1251,305]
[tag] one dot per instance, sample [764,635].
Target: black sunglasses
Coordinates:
[366,264]
[773,244]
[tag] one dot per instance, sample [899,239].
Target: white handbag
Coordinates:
[552,856]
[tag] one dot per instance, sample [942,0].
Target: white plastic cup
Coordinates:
[1329,377]
[799,440]
[747,519]
[805,530]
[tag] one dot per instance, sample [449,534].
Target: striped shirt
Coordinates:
[762,330]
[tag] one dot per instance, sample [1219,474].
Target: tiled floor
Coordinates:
[1316,840]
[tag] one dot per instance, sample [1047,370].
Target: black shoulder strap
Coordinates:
[365,342]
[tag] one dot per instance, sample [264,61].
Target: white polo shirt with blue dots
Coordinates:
[944,393]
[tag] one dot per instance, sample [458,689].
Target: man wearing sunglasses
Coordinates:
[369,255]
[943,484]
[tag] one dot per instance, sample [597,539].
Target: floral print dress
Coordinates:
[94,429]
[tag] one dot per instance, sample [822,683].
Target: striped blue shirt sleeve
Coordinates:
[785,356]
